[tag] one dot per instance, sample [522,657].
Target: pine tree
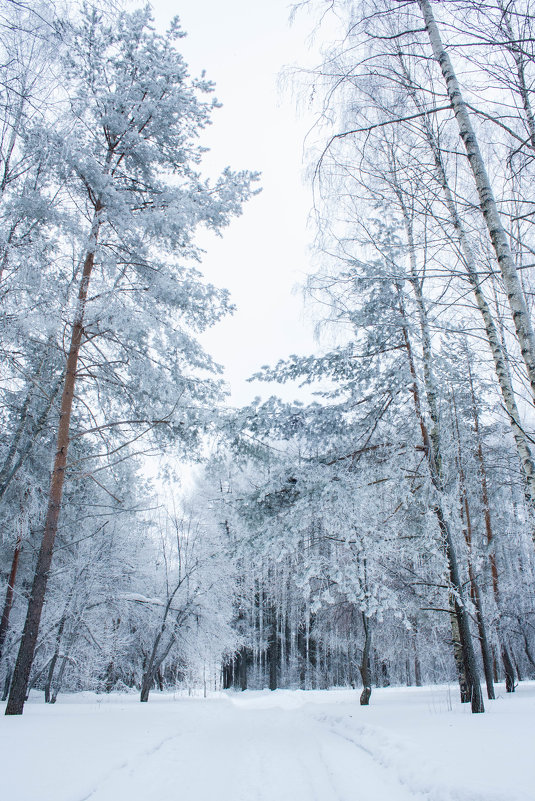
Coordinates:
[126,149]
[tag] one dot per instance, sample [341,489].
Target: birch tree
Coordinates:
[489,208]
[367,89]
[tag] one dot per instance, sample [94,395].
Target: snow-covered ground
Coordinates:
[411,744]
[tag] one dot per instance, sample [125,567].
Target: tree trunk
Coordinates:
[489,209]
[146,686]
[154,663]
[227,675]
[50,676]
[53,661]
[467,666]
[493,339]
[365,668]
[242,667]
[273,652]
[61,672]
[7,682]
[482,631]
[21,675]
[475,593]
[458,655]
[417,666]
[459,604]
[507,663]
[527,650]
[302,655]
[509,669]
[8,603]
[156,659]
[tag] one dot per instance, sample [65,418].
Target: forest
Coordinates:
[377,531]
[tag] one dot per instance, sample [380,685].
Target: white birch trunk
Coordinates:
[493,339]
[489,209]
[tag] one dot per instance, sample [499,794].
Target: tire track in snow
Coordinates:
[134,762]
[356,774]
[404,764]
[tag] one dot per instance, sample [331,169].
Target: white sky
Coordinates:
[242,45]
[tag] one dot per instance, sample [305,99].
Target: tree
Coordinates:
[381,84]
[197,593]
[489,208]
[127,152]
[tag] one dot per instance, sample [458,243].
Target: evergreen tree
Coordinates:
[126,153]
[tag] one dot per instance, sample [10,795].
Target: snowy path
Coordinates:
[266,755]
[284,746]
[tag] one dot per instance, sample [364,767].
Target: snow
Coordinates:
[411,744]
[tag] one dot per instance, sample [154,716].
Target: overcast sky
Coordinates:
[243,45]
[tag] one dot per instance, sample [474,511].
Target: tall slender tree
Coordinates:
[489,208]
[127,150]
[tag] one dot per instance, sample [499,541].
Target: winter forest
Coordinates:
[371,523]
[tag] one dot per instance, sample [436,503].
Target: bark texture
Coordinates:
[365,669]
